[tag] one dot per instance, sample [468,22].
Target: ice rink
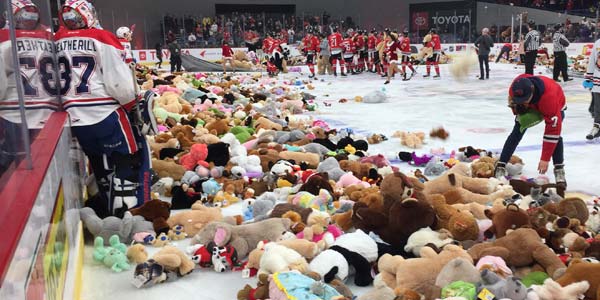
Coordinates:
[475,113]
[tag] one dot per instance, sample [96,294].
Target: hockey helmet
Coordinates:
[405,31]
[124,32]
[531,23]
[433,30]
[78,14]
[26,14]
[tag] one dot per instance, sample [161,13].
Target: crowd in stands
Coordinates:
[585,7]
[210,31]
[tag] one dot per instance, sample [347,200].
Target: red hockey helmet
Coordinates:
[26,14]
[78,14]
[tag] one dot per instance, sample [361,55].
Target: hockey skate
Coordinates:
[500,171]
[436,76]
[344,74]
[559,175]
[594,133]
[426,75]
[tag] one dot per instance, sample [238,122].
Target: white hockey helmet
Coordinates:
[26,14]
[78,14]
[123,32]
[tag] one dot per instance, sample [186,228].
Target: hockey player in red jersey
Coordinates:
[360,44]
[310,47]
[335,45]
[372,50]
[434,59]
[534,99]
[349,52]
[98,92]
[125,36]
[392,48]
[406,53]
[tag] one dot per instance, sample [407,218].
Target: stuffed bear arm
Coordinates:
[495,251]
[160,226]
[171,261]
[374,219]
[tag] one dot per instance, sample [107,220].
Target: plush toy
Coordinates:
[161,240]
[323,201]
[316,182]
[462,225]
[311,159]
[124,228]
[220,259]
[583,271]
[418,274]
[458,269]
[137,254]
[380,292]
[412,140]
[261,292]
[174,260]
[511,218]
[425,236]
[320,231]
[349,179]
[113,256]
[194,220]
[402,213]
[242,237]
[278,258]
[354,249]
[331,166]
[480,190]
[155,211]
[166,168]
[522,247]
[197,156]
[293,285]
[176,233]
[211,187]
[500,288]
[495,264]
[551,290]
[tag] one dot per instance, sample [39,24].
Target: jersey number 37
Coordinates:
[85,66]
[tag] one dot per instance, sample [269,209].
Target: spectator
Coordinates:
[175,51]
[484,43]
[170,36]
[158,49]
[192,39]
[291,34]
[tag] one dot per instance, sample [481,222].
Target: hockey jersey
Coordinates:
[372,43]
[349,48]
[127,51]
[96,80]
[335,43]
[35,70]
[311,44]
[359,42]
[436,43]
[593,69]
[405,46]
[549,100]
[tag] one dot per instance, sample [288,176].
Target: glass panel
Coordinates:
[28,78]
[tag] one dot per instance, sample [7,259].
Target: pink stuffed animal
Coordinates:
[197,156]
[332,233]
[166,88]
[349,179]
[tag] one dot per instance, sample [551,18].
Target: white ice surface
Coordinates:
[474,113]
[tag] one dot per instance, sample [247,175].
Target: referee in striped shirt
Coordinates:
[532,44]
[561,43]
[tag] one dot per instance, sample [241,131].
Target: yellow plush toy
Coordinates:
[170,102]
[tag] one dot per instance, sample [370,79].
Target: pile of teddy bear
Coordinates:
[318,213]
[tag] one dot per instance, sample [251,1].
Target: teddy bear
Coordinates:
[402,213]
[174,260]
[265,123]
[261,292]
[137,253]
[458,269]
[582,271]
[219,126]
[170,102]
[319,230]
[571,207]
[157,146]
[360,170]
[520,248]
[331,166]
[278,258]
[315,183]
[462,225]
[418,274]
[412,140]
[311,159]
[242,237]
[551,290]
[480,190]
[196,157]
[124,228]
[268,157]
[297,224]
[380,292]
[155,211]
[508,219]
[168,168]
[195,219]
[425,236]
[483,167]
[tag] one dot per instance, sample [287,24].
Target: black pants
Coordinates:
[159,63]
[484,60]
[530,57]
[502,52]
[560,65]
[595,107]
[175,63]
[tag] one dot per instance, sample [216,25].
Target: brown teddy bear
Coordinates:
[510,218]
[580,271]
[312,159]
[360,170]
[137,254]
[462,225]
[193,220]
[570,207]
[268,157]
[402,213]
[219,126]
[267,124]
[157,212]
[483,167]
[316,182]
[297,224]
[418,274]
[174,260]
[480,190]
[343,220]
[521,248]
[156,146]
[261,292]
[168,168]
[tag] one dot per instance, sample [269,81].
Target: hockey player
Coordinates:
[592,77]
[533,99]
[434,59]
[35,71]
[268,44]
[360,43]
[335,46]
[349,50]
[372,50]
[98,92]
[125,36]
[406,55]
[310,47]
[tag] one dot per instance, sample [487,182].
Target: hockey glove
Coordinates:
[588,84]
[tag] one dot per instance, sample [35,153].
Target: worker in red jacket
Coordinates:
[227,56]
[506,48]
[534,99]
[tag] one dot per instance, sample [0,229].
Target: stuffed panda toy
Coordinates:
[350,253]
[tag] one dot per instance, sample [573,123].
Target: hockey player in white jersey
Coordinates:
[35,70]
[98,93]
[125,36]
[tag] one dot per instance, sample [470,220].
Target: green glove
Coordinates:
[529,119]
